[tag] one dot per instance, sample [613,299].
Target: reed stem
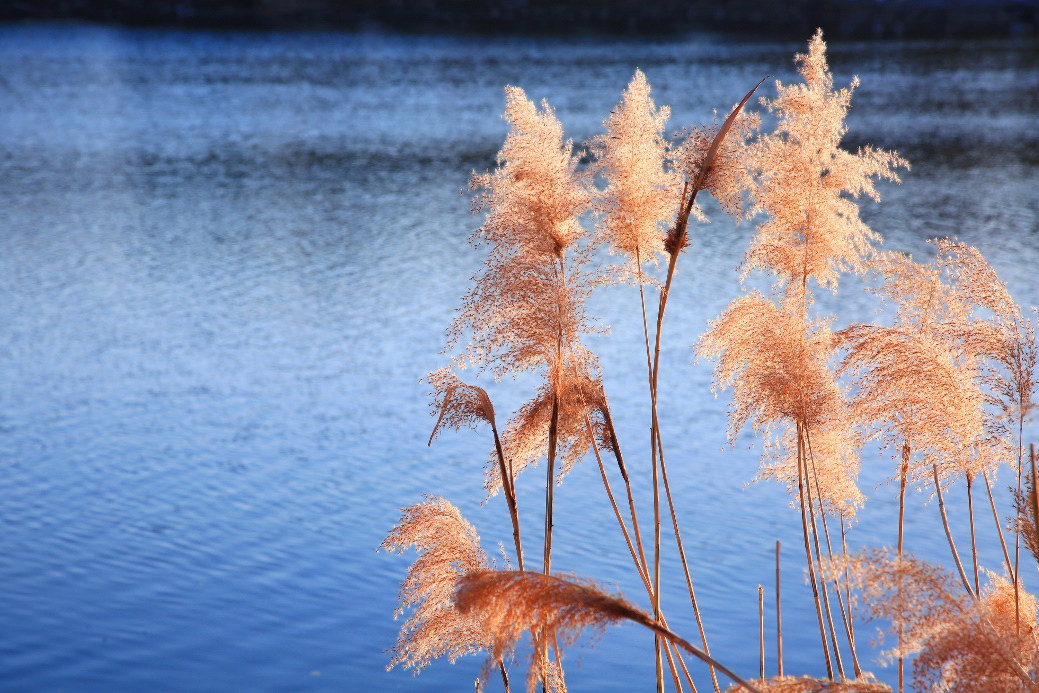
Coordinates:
[550,483]
[903,479]
[761,632]
[827,611]
[845,617]
[999,527]
[504,676]
[639,565]
[779,618]
[808,548]
[973,539]
[509,486]
[948,534]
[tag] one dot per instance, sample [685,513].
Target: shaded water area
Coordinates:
[226,261]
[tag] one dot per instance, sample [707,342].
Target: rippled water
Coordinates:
[227,259]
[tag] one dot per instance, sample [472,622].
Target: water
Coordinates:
[226,261]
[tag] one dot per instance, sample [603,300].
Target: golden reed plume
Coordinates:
[556,609]
[448,547]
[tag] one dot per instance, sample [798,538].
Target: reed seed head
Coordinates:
[448,547]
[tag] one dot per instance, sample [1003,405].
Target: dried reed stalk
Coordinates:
[510,603]
[761,632]
[779,619]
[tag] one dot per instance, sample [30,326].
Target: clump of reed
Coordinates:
[945,385]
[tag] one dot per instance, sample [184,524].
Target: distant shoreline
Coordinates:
[852,19]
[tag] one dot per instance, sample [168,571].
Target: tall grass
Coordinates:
[945,384]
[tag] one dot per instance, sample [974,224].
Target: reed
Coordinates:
[944,382]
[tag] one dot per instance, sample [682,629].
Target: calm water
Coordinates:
[227,259]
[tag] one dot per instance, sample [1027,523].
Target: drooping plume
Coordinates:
[1003,338]
[581,401]
[448,548]
[526,311]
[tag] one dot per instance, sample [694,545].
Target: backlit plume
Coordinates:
[781,380]
[456,404]
[558,610]
[728,178]
[581,403]
[1005,340]
[641,195]
[530,297]
[962,645]
[813,230]
[448,548]
[792,684]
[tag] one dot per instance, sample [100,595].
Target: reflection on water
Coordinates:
[226,261]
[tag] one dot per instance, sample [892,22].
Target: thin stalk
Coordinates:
[827,611]
[550,483]
[676,241]
[761,632]
[779,618]
[1035,518]
[847,585]
[508,485]
[504,675]
[848,631]
[808,549]
[999,527]
[655,596]
[639,565]
[973,540]
[948,534]
[1017,555]
[627,484]
[656,555]
[692,649]
[903,479]
[685,564]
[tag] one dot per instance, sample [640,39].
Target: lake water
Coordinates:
[228,258]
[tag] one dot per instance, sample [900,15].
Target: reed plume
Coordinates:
[642,194]
[579,394]
[460,405]
[806,182]
[775,356]
[779,375]
[448,548]
[793,684]
[963,644]
[916,386]
[726,176]
[561,609]
[1003,338]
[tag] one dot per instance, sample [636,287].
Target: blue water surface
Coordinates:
[226,261]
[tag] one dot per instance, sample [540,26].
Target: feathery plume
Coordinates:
[780,378]
[974,646]
[509,604]
[580,399]
[727,177]
[793,684]
[641,195]
[813,230]
[1006,340]
[457,404]
[911,390]
[448,547]
[559,609]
